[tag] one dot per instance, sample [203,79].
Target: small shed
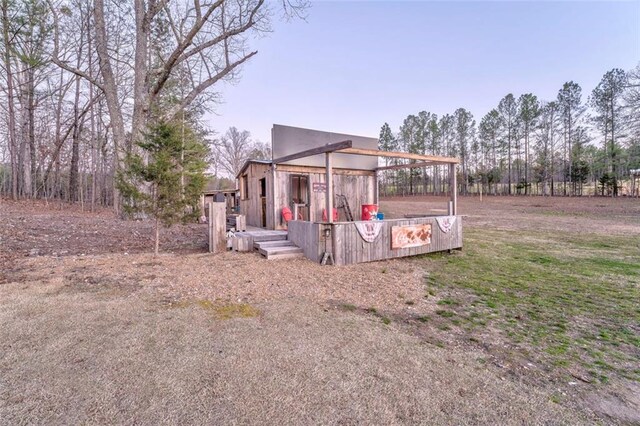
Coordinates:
[227,196]
[312,173]
[267,187]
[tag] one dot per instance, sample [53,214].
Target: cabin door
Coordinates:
[300,196]
[263,202]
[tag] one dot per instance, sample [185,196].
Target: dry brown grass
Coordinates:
[69,357]
[91,335]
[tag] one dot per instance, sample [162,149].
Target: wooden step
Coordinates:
[267,244]
[270,236]
[286,256]
[283,252]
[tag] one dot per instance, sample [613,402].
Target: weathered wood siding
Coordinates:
[251,203]
[306,235]
[349,247]
[357,186]
[217,228]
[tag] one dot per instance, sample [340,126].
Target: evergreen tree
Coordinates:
[528,115]
[606,100]
[465,131]
[632,101]
[546,146]
[412,141]
[434,147]
[448,147]
[155,187]
[387,142]
[489,135]
[570,104]
[508,110]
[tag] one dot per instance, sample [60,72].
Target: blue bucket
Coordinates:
[380,216]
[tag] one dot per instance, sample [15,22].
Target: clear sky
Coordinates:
[354,65]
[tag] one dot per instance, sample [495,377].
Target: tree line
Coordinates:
[571,145]
[83,81]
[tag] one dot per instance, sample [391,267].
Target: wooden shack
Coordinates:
[312,173]
[227,196]
[299,184]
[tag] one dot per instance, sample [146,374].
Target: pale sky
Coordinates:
[354,65]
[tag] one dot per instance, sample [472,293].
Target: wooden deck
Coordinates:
[348,247]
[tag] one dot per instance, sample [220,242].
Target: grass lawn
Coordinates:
[569,301]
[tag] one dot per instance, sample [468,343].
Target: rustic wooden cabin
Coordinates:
[267,187]
[290,192]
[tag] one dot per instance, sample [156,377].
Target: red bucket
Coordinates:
[369,211]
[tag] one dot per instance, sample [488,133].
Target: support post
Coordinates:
[376,190]
[329,193]
[453,189]
[273,196]
[217,228]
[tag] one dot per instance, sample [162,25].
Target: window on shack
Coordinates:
[245,186]
[300,189]
[263,187]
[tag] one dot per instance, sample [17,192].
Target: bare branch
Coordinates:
[205,85]
[56,49]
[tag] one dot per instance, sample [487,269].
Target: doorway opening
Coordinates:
[300,196]
[263,202]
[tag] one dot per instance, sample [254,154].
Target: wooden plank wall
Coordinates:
[250,205]
[350,248]
[358,186]
[306,235]
[217,228]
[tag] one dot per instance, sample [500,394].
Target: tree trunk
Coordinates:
[157,245]
[11,118]
[140,79]
[75,147]
[111,96]
[509,158]
[31,136]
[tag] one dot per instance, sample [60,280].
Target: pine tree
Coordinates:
[465,131]
[411,141]
[508,110]
[606,100]
[528,116]
[154,187]
[548,123]
[489,131]
[570,104]
[387,142]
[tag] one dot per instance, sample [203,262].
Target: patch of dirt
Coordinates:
[35,228]
[238,277]
[621,402]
